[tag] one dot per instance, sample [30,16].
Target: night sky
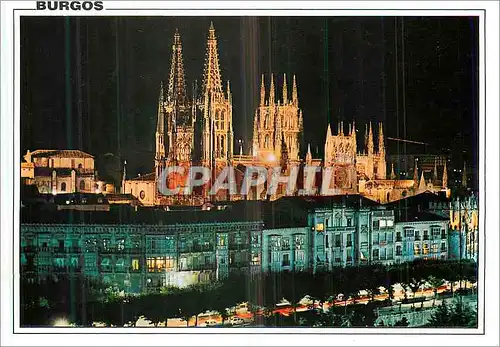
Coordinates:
[92,83]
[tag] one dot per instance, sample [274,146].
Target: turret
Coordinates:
[435,173]
[285,91]
[415,174]
[262,92]
[445,177]
[308,155]
[464,176]
[295,99]
[381,144]
[271,91]
[370,141]
[393,174]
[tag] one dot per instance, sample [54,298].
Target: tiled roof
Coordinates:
[60,153]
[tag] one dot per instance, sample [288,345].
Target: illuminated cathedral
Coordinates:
[197,130]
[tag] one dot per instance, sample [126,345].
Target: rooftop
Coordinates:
[60,153]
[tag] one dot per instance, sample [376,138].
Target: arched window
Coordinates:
[82,185]
[80,166]
[63,187]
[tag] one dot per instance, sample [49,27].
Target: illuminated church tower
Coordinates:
[275,122]
[176,119]
[216,111]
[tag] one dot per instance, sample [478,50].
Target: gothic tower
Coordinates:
[277,122]
[160,157]
[178,111]
[216,110]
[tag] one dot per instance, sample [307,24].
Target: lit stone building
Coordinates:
[62,171]
[278,125]
[198,130]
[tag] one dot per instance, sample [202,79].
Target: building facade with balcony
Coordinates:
[420,235]
[146,251]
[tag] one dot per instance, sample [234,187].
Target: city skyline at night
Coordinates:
[357,54]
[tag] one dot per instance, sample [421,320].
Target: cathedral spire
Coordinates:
[271,91]
[262,92]
[229,95]
[381,144]
[445,176]
[415,174]
[421,185]
[308,155]
[176,84]
[435,173]
[295,99]
[285,91]
[370,140]
[212,82]
[464,176]
[393,175]
[160,126]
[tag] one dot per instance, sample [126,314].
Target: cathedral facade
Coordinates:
[197,130]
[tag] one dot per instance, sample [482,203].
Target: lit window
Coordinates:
[382,223]
[417,249]
[390,223]
[135,264]
[320,227]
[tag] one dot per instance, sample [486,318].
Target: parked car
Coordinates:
[211,323]
[236,321]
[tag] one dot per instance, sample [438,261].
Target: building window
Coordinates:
[443,234]
[286,260]
[417,249]
[255,258]
[399,250]
[398,237]
[349,222]
[409,232]
[417,235]
[443,247]
[426,249]
[300,257]
[349,240]
[299,241]
[390,253]
[285,245]
[82,185]
[72,163]
[63,187]
[222,240]
[326,241]
[435,248]
[426,234]
[375,254]
[389,237]
[376,225]
[382,223]
[338,241]
[390,223]
[320,227]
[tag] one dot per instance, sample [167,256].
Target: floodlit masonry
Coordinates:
[179,180]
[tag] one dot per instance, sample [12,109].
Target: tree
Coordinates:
[414,285]
[403,322]
[459,314]
[435,283]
